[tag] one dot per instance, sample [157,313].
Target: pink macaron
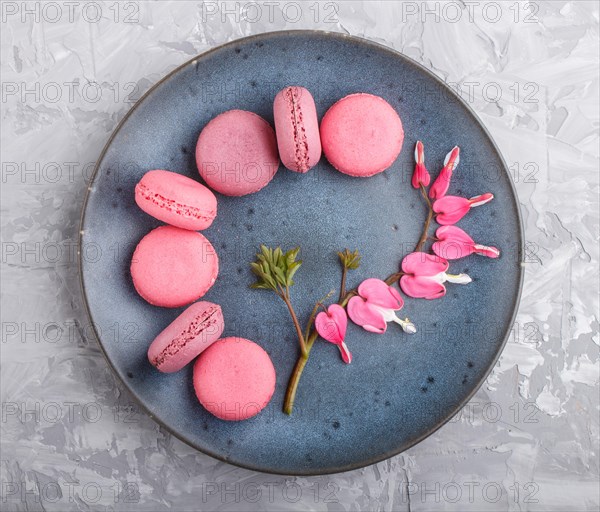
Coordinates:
[362,135]
[234,379]
[236,153]
[176,200]
[198,327]
[297,129]
[173,267]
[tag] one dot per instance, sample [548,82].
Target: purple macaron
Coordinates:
[297,129]
[198,327]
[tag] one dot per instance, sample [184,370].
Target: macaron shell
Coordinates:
[176,199]
[362,135]
[236,153]
[297,129]
[234,379]
[173,267]
[196,329]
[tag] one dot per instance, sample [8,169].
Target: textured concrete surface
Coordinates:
[71,436]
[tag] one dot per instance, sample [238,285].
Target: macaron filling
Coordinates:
[170,205]
[300,140]
[196,327]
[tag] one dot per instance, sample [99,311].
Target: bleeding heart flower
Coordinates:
[453,243]
[442,182]
[425,275]
[374,307]
[420,175]
[331,326]
[450,209]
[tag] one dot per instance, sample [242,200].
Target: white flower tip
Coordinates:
[345,352]
[490,252]
[456,151]
[458,278]
[419,154]
[482,199]
[408,327]
[494,250]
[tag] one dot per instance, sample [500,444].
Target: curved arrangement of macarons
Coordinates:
[239,153]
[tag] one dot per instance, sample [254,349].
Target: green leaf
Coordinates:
[266,254]
[260,286]
[349,259]
[256,269]
[270,281]
[277,256]
[279,275]
[293,268]
[274,269]
[354,263]
[291,255]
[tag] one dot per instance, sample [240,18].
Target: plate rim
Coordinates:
[408,60]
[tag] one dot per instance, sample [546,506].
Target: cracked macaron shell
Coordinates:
[297,129]
[192,332]
[176,200]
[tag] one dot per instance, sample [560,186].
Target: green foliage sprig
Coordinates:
[275,269]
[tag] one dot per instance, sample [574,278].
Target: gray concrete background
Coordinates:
[71,436]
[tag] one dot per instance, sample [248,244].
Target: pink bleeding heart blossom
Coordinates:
[442,182]
[425,275]
[453,243]
[331,326]
[375,306]
[420,175]
[450,209]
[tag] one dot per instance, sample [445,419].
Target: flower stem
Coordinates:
[290,394]
[393,278]
[423,238]
[343,283]
[286,298]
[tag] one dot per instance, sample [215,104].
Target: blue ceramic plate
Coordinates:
[399,388]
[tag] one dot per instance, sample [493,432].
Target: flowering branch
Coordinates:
[375,302]
[349,261]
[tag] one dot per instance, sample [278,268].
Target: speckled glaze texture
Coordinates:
[399,388]
[526,441]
